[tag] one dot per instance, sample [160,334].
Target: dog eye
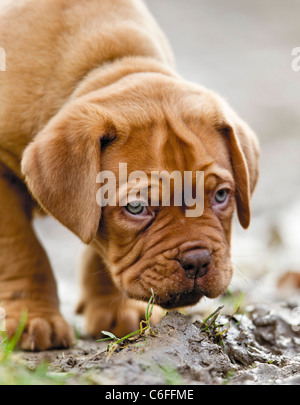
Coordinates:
[221,195]
[135,207]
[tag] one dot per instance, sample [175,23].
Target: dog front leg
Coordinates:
[26,279]
[104,306]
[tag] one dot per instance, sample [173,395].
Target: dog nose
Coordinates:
[195,262]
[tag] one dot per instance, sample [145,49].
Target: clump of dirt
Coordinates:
[262,346]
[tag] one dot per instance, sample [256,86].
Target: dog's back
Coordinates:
[51,46]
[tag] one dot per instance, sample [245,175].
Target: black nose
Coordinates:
[195,262]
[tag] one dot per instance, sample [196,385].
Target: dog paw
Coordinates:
[42,332]
[119,318]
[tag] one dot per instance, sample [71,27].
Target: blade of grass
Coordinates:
[150,306]
[16,337]
[7,346]
[216,312]
[144,326]
[109,334]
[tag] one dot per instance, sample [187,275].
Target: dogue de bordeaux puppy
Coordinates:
[89,84]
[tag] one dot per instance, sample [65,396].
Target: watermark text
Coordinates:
[157,188]
[296,59]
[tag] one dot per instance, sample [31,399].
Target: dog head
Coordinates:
[153,123]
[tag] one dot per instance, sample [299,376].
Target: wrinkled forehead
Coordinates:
[163,164]
[170,146]
[163,123]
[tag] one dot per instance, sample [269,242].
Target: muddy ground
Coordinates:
[260,346]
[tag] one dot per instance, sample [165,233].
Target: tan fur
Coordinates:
[90,84]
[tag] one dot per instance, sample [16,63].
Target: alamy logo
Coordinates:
[296,60]
[2,60]
[157,188]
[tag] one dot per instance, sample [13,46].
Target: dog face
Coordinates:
[151,123]
[158,247]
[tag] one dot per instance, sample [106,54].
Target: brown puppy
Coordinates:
[90,84]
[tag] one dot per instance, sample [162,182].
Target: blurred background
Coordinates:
[242,50]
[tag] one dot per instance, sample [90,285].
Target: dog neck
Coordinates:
[112,71]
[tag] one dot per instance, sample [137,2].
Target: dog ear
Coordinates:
[244,152]
[61,165]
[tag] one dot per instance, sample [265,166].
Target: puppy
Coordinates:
[90,84]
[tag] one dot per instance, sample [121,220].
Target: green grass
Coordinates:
[214,329]
[14,371]
[13,368]
[120,343]
[171,375]
[7,346]
[236,300]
